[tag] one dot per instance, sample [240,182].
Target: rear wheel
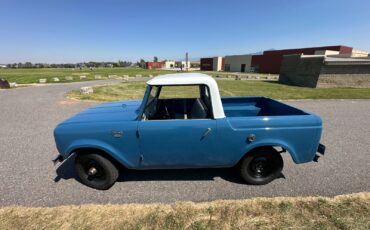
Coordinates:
[96,171]
[262,166]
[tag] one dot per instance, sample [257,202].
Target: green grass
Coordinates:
[124,91]
[340,212]
[27,76]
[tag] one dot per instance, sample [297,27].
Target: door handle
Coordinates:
[208,131]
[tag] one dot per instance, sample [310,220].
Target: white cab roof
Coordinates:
[182,79]
[194,79]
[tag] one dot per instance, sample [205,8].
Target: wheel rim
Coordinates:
[260,167]
[93,170]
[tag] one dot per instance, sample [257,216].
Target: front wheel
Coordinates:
[96,171]
[262,166]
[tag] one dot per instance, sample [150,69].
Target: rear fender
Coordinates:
[271,143]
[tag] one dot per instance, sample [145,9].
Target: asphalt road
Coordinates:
[27,176]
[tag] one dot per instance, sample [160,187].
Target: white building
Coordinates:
[326,52]
[238,63]
[168,65]
[178,65]
[182,65]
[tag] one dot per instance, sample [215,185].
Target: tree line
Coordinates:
[90,64]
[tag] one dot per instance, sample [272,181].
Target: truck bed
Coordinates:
[257,106]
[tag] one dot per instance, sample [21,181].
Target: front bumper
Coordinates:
[59,158]
[321,150]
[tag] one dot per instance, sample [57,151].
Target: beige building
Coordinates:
[354,54]
[217,63]
[168,65]
[238,63]
[359,53]
[182,64]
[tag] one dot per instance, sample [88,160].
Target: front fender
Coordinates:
[100,145]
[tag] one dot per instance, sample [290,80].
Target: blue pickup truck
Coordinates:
[182,122]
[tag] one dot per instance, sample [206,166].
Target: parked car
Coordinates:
[182,122]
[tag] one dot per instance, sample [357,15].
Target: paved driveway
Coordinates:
[27,176]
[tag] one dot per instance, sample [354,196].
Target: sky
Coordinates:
[68,31]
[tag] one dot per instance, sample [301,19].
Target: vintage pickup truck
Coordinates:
[182,122]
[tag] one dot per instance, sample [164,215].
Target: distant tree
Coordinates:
[68,65]
[155,59]
[127,63]
[141,63]
[28,65]
[39,65]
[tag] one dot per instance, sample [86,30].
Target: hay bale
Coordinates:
[42,80]
[86,90]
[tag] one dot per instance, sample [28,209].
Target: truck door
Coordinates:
[177,143]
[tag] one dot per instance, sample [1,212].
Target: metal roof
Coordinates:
[182,79]
[347,61]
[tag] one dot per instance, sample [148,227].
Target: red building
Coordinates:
[154,65]
[270,61]
[206,64]
[212,64]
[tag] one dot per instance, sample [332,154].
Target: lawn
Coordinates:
[341,212]
[124,91]
[26,76]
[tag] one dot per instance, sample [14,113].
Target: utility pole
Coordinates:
[186,62]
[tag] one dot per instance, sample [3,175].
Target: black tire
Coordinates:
[261,166]
[105,175]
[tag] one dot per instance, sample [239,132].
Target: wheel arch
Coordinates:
[283,146]
[105,152]
[86,150]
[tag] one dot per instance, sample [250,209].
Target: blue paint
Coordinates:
[191,143]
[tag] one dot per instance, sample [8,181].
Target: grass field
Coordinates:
[27,76]
[123,91]
[341,212]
